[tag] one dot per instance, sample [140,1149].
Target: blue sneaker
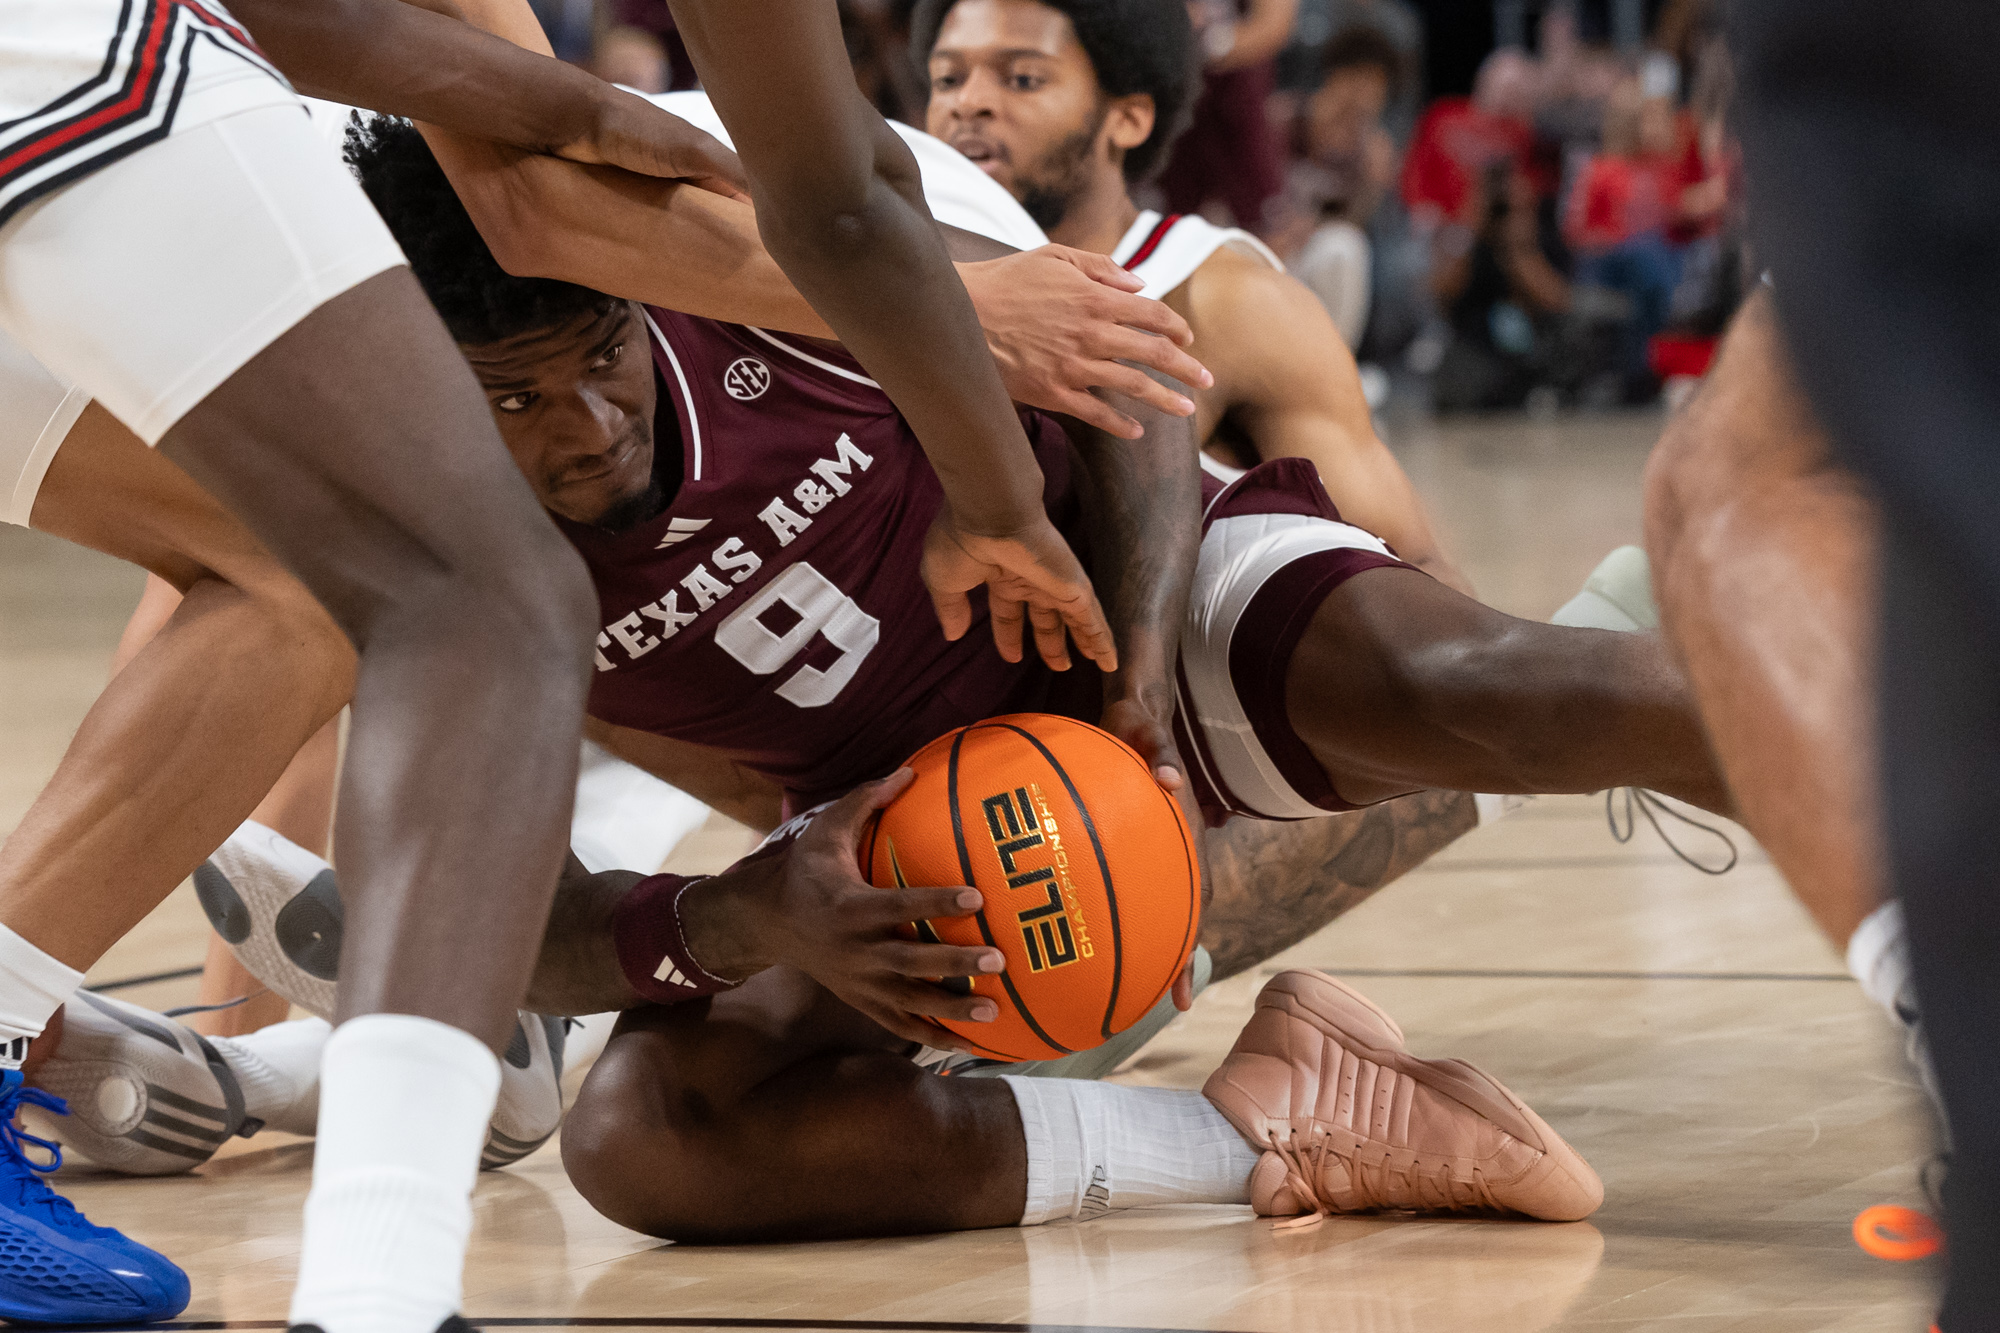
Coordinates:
[55,1267]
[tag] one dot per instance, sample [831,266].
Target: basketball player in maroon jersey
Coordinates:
[755,536]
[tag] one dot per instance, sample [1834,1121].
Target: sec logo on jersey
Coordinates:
[746,378]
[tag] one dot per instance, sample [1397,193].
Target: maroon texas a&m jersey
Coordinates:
[775,610]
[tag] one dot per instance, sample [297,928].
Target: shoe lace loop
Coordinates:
[1379,1184]
[1639,801]
[14,1147]
[14,1139]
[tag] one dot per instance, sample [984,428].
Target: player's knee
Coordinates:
[656,1173]
[527,612]
[549,593]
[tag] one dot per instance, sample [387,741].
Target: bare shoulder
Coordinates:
[1254,325]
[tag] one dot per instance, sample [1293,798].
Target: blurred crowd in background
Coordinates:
[1502,203]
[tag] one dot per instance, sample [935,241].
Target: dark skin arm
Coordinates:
[401,59]
[840,207]
[1143,503]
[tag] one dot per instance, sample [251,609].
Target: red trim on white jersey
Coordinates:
[1166,251]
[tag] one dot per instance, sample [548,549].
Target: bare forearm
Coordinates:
[840,207]
[882,280]
[403,60]
[1260,35]
[1145,522]
[637,237]
[577,971]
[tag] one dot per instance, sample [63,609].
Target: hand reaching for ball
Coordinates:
[833,925]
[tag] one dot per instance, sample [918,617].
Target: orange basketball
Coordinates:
[1087,867]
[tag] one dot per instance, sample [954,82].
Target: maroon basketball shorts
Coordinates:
[1273,549]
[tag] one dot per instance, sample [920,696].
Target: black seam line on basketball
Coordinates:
[126,983]
[965,871]
[509,1141]
[1103,868]
[673,1321]
[1504,974]
[986,930]
[1193,858]
[138,1025]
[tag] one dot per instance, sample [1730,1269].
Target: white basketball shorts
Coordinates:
[152,279]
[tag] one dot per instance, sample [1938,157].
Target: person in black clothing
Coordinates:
[1873,158]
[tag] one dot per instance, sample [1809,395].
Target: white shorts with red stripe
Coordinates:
[167,211]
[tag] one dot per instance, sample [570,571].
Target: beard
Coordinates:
[634,509]
[1048,189]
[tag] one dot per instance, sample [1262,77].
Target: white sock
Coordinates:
[1618,595]
[33,985]
[1094,1148]
[404,1106]
[1879,957]
[1591,609]
[278,1069]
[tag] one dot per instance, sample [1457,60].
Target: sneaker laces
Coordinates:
[1639,801]
[31,1189]
[1376,1182]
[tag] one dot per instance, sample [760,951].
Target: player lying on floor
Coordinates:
[756,543]
[183,743]
[593,377]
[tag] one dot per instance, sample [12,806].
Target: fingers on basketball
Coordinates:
[1088,871]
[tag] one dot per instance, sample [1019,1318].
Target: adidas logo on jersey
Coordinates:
[679,530]
[746,378]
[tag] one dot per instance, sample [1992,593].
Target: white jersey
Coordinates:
[85,82]
[959,193]
[1165,251]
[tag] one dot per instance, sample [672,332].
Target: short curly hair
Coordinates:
[1136,46]
[480,301]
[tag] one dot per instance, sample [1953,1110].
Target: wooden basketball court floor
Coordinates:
[1694,1037]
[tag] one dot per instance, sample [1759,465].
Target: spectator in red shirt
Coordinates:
[1618,215]
[1458,138]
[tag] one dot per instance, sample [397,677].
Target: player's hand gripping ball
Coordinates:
[1088,869]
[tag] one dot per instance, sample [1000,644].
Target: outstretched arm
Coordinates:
[840,207]
[401,59]
[1142,505]
[1290,378]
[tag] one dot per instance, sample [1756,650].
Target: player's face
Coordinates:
[575,406]
[1012,89]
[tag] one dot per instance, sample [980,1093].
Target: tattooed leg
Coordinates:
[1276,883]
